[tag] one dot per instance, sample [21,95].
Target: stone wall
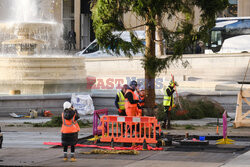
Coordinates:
[214,67]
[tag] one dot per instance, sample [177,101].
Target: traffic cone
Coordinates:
[217,130]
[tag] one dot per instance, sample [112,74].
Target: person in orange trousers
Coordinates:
[70,129]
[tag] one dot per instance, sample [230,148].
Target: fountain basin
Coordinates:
[42,75]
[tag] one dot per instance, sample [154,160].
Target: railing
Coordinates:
[129,129]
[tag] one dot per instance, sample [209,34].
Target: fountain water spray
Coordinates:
[31,27]
[30,31]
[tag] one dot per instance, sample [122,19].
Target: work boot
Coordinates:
[65,158]
[73,158]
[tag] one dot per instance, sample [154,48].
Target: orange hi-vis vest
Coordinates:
[69,126]
[131,109]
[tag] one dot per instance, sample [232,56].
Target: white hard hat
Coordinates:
[66,105]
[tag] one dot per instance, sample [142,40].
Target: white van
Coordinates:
[230,35]
[93,50]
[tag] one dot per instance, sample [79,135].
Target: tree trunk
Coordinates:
[159,37]
[149,73]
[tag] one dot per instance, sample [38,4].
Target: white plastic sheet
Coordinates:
[83,104]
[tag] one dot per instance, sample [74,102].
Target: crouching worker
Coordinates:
[70,129]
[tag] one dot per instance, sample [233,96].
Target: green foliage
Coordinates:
[56,121]
[84,125]
[11,125]
[27,123]
[108,15]
[190,127]
[196,110]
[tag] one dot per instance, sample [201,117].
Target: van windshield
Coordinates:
[216,38]
[92,48]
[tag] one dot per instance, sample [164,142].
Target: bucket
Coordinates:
[202,138]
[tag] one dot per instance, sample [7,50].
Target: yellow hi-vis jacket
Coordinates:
[121,102]
[167,99]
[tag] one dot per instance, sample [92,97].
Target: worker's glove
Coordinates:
[120,111]
[141,101]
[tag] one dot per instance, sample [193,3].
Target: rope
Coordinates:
[138,148]
[98,151]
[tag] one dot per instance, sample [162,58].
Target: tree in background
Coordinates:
[108,17]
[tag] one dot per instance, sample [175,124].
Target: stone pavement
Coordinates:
[240,161]
[23,146]
[53,157]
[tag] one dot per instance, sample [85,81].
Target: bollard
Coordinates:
[225,140]
[217,129]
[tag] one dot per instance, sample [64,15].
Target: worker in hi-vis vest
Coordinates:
[168,102]
[70,129]
[120,100]
[132,100]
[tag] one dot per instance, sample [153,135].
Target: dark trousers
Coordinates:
[72,44]
[123,113]
[65,149]
[1,140]
[167,117]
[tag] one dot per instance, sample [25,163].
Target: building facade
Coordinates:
[77,15]
[243,8]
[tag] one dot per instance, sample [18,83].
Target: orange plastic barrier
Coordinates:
[129,129]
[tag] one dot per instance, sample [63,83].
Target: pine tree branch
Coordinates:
[131,28]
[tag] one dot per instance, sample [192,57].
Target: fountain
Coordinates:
[24,65]
[25,42]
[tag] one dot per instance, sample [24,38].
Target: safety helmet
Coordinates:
[125,86]
[133,83]
[171,83]
[66,105]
